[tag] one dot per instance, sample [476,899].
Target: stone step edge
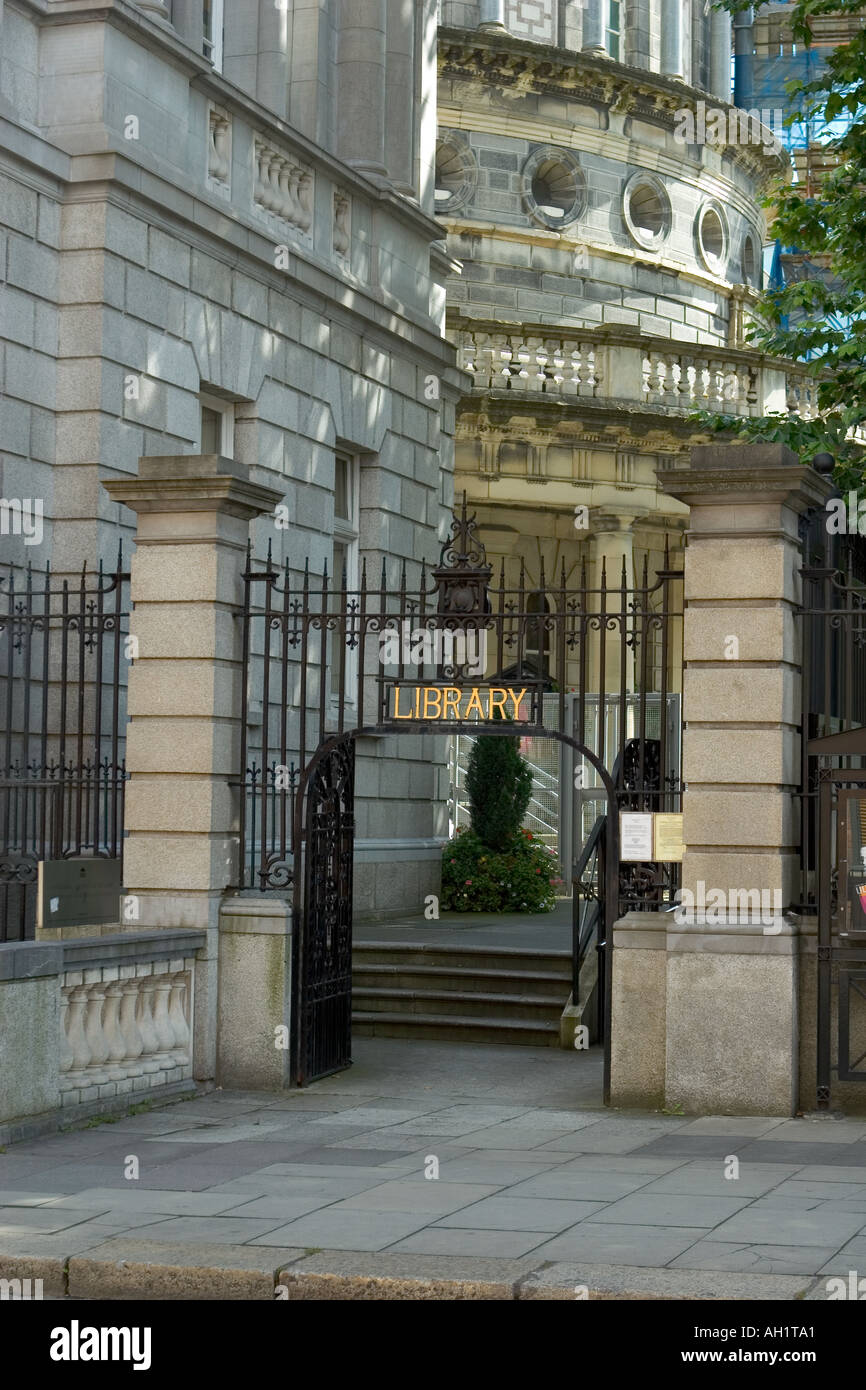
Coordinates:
[457,1021]
[340,1275]
[473,996]
[428,948]
[434,972]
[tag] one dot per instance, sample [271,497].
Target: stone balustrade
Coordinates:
[566,366]
[125,1028]
[91,1019]
[283,187]
[621,365]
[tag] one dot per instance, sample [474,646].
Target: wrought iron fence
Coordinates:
[323,658]
[64,654]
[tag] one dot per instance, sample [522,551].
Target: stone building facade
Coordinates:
[216,237]
[610,233]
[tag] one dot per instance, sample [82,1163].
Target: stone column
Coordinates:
[593,27]
[155,9]
[730,1009]
[272,68]
[401,95]
[181,850]
[361,85]
[672,38]
[492,15]
[188,19]
[720,54]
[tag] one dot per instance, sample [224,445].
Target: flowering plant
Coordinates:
[522,877]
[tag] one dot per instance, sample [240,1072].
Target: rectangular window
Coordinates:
[217,426]
[344,556]
[212,46]
[612,29]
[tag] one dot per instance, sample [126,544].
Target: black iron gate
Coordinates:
[64,654]
[833,798]
[323,919]
[327,663]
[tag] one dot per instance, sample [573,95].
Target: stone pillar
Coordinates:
[188,19]
[672,38]
[361,85]
[720,54]
[400,95]
[492,15]
[593,28]
[272,68]
[181,850]
[731,1026]
[155,9]
[255,991]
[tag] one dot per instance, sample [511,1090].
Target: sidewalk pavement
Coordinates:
[326,1193]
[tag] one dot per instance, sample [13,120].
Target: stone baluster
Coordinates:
[222,148]
[305,200]
[133,1041]
[571,371]
[75,1032]
[161,1022]
[502,360]
[555,364]
[177,1018]
[702,381]
[684,384]
[533,371]
[485,361]
[261,164]
[647,369]
[113,1035]
[94,1031]
[284,184]
[66,1055]
[149,1062]
[272,183]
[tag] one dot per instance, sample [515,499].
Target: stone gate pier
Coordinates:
[706,1000]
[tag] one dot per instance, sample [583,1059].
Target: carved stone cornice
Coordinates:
[513,67]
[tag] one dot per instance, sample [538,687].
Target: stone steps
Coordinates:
[460,993]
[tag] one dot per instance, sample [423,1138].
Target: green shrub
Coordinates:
[523,877]
[498,788]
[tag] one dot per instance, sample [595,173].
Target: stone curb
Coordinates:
[122,1269]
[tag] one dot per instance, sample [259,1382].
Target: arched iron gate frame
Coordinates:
[326,1004]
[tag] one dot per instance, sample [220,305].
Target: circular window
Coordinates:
[712,237]
[750,260]
[647,210]
[454,173]
[553,187]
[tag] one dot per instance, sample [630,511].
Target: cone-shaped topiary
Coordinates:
[498,785]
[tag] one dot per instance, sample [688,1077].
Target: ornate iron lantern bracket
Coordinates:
[462,576]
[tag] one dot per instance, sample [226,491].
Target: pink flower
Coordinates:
[469,880]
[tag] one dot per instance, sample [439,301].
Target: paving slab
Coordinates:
[586,1186]
[443,1240]
[710,1254]
[709,1180]
[136,1199]
[659,1209]
[741,1126]
[329,1229]
[620,1244]
[435,1197]
[797,1228]
[507,1213]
